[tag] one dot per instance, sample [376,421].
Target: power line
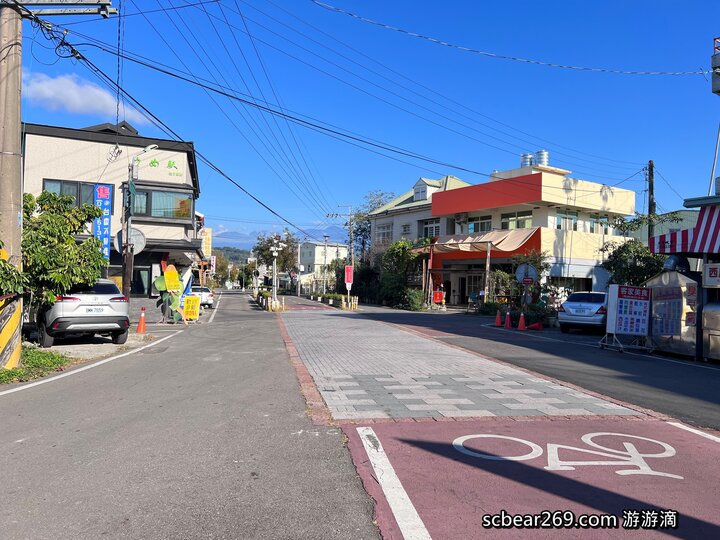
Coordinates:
[669,185]
[501,56]
[419,84]
[144,12]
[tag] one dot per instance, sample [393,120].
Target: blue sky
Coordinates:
[456,107]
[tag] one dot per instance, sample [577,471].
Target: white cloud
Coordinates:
[73,94]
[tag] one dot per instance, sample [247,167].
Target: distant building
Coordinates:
[316,258]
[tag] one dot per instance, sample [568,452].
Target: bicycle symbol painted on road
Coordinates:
[630,457]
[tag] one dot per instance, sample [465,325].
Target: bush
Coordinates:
[491,308]
[413,300]
[35,363]
[392,289]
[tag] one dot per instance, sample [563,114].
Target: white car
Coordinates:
[207,298]
[583,310]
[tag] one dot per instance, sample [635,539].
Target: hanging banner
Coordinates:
[628,310]
[102,198]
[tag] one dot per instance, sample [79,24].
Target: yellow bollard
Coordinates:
[283,304]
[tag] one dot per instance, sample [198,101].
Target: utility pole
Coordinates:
[349,215]
[651,200]
[11,194]
[325,237]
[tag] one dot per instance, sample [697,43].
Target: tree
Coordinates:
[399,258]
[626,226]
[361,220]
[53,262]
[287,256]
[631,263]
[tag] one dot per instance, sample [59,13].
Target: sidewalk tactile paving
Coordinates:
[366,369]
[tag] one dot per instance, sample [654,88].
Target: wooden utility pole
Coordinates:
[10,178]
[349,215]
[652,210]
[11,15]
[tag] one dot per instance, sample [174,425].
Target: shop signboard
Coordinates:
[667,311]
[711,276]
[192,307]
[628,310]
[102,198]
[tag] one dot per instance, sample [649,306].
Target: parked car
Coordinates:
[100,309]
[207,298]
[583,310]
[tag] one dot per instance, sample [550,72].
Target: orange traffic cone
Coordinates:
[141,324]
[508,322]
[498,319]
[521,323]
[535,326]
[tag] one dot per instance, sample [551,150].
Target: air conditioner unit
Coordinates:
[461,217]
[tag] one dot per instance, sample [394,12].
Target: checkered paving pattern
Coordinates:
[366,369]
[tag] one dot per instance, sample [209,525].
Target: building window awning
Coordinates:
[498,240]
[703,239]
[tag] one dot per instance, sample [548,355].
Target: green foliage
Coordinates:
[287,256]
[413,300]
[234,255]
[626,226]
[12,281]
[53,262]
[399,258]
[631,262]
[490,308]
[535,258]
[361,220]
[392,289]
[35,363]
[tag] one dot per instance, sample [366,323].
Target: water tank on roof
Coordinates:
[542,157]
[526,160]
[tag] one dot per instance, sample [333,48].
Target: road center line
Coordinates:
[696,431]
[84,368]
[411,526]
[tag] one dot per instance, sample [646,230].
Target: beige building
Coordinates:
[73,161]
[316,258]
[566,217]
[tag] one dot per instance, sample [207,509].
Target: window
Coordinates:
[383,234]
[82,192]
[599,224]
[405,229]
[566,220]
[431,228]
[516,220]
[480,224]
[163,204]
[420,194]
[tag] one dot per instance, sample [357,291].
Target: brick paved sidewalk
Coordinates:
[366,369]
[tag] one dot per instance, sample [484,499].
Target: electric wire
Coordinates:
[415,84]
[669,185]
[501,56]
[135,14]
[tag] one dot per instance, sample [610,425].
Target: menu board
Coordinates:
[667,309]
[628,310]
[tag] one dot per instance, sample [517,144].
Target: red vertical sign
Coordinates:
[349,274]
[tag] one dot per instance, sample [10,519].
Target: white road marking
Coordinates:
[215,310]
[696,431]
[594,346]
[407,518]
[84,368]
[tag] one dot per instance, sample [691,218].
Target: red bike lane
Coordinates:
[442,480]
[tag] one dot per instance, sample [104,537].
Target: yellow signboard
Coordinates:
[172,280]
[192,307]
[206,234]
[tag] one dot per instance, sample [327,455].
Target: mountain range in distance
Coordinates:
[246,240]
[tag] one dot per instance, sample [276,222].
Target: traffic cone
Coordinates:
[536,326]
[141,324]
[521,323]
[498,319]
[508,322]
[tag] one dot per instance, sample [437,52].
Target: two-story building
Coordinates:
[410,216]
[73,162]
[568,218]
[316,258]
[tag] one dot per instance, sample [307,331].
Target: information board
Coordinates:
[667,310]
[102,198]
[628,310]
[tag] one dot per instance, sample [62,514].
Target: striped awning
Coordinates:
[707,231]
[704,238]
[674,242]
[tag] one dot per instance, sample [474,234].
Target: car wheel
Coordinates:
[564,328]
[211,306]
[118,338]
[46,340]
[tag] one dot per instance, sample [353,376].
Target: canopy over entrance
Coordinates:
[703,239]
[498,241]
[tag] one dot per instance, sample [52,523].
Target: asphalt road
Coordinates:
[682,389]
[202,436]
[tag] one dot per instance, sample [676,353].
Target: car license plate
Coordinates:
[581,311]
[94,310]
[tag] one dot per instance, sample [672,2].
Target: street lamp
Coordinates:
[325,237]
[275,248]
[127,247]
